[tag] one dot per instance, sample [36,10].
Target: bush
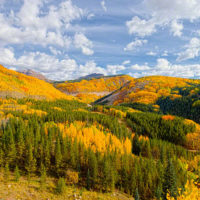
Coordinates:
[71,177]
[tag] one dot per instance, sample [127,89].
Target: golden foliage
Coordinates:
[95,137]
[17,85]
[107,84]
[147,90]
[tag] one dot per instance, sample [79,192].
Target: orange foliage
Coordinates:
[17,85]
[168,117]
[148,90]
[107,84]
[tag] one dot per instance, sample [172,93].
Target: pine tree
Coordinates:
[58,155]
[61,186]
[30,162]
[6,173]
[93,168]
[88,180]
[169,184]
[137,197]
[17,174]
[43,177]
[136,147]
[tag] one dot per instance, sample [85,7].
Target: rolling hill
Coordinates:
[17,85]
[148,90]
[91,90]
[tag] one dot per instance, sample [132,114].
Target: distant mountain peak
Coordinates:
[30,72]
[93,75]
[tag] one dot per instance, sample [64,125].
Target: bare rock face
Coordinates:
[32,73]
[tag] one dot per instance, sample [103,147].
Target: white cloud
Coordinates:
[114,69]
[164,67]
[82,42]
[103,5]
[151,53]
[126,62]
[140,27]
[176,28]
[30,25]
[165,53]
[55,51]
[133,45]
[52,67]
[139,67]
[160,13]
[192,50]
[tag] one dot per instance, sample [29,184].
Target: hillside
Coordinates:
[91,90]
[17,85]
[148,90]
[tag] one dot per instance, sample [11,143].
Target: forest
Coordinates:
[100,148]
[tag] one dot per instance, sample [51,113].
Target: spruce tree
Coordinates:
[137,197]
[61,186]
[136,146]
[88,180]
[43,177]
[169,184]
[6,173]
[17,174]
[58,155]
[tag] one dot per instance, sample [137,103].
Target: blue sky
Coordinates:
[66,39]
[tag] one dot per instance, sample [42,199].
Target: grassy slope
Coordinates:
[24,190]
[14,84]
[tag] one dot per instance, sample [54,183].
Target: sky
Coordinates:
[67,39]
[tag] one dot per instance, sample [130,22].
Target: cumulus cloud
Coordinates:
[133,45]
[103,5]
[176,28]
[159,13]
[164,67]
[30,25]
[52,67]
[192,50]
[140,27]
[151,53]
[114,69]
[126,62]
[82,42]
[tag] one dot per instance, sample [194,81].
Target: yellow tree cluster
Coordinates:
[191,193]
[147,90]
[95,138]
[95,85]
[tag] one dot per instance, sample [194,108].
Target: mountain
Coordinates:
[93,89]
[18,85]
[35,74]
[91,76]
[148,90]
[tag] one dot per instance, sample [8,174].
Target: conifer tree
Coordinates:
[136,147]
[88,180]
[30,161]
[6,172]
[61,186]
[169,184]
[58,155]
[42,177]
[17,174]
[137,197]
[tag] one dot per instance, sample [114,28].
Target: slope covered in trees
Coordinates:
[93,89]
[148,90]
[100,148]
[17,85]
